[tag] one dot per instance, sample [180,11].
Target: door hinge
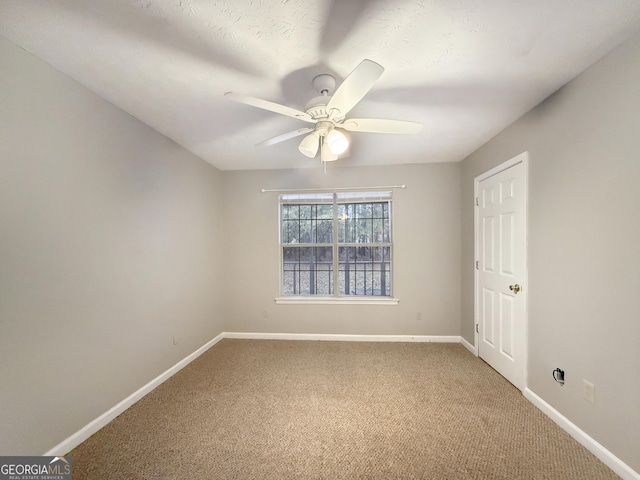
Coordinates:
[477,203]
[477,331]
[477,264]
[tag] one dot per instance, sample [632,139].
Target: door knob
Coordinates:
[514,288]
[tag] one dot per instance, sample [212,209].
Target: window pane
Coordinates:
[307,270]
[305,231]
[290,212]
[364,271]
[342,215]
[386,231]
[324,231]
[378,231]
[290,231]
[325,211]
[347,223]
[364,229]
[363,210]
[377,210]
[305,211]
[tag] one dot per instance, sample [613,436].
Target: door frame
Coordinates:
[524,159]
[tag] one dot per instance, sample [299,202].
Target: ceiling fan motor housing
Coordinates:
[324,84]
[317,106]
[317,109]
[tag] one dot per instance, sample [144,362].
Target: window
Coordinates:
[325,233]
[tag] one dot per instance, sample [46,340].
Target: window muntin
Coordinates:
[345,232]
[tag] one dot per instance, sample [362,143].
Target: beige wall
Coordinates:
[426,253]
[109,234]
[584,254]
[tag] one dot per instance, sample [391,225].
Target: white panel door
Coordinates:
[500,246]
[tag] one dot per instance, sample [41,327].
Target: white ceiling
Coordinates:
[464,68]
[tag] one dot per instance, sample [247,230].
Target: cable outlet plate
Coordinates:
[589,391]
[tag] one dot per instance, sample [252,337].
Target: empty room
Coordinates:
[335,239]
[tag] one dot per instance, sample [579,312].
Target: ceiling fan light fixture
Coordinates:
[326,155]
[309,145]
[337,142]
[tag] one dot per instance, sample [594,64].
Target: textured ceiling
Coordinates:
[464,68]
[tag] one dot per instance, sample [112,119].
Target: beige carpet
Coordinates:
[266,409]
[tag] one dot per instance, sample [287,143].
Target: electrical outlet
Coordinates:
[265,314]
[419,316]
[558,376]
[588,391]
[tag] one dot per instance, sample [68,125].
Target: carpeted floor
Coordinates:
[268,409]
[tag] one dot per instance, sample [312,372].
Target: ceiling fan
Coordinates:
[328,114]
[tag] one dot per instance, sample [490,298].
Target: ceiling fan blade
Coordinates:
[355,86]
[380,125]
[325,153]
[271,106]
[284,136]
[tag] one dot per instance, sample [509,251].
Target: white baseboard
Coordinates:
[605,456]
[92,427]
[344,338]
[468,346]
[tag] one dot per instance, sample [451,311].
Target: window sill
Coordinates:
[363,300]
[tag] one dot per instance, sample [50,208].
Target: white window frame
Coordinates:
[336,298]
